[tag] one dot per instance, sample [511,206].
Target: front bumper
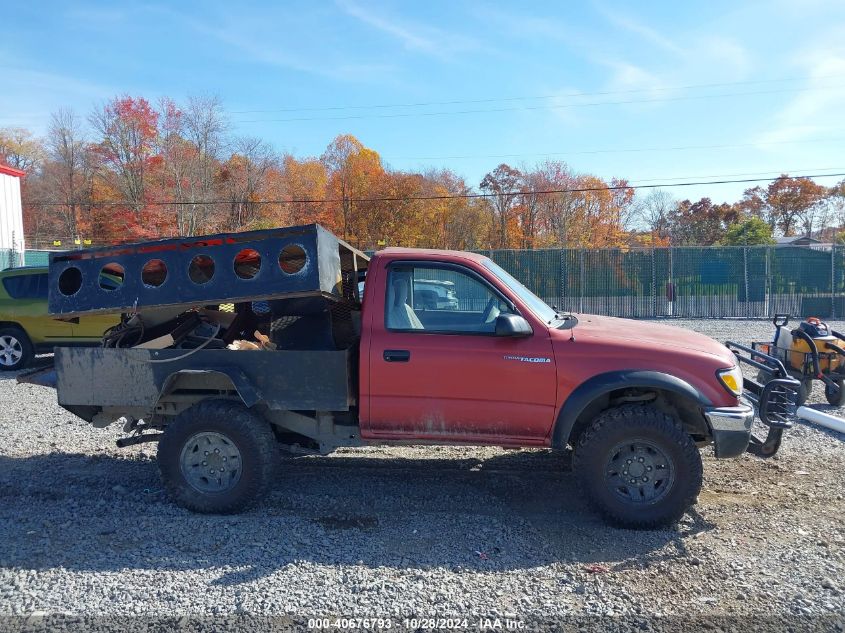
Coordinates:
[773,400]
[731,428]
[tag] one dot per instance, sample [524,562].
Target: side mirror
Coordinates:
[512,325]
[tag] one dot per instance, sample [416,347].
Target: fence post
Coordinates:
[653,284]
[581,282]
[767,288]
[833,281]
[670,290]
[13,253]
[561,286]
[745,273]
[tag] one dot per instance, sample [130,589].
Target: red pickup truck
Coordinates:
[492,365]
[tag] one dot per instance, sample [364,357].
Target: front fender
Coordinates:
[602,384]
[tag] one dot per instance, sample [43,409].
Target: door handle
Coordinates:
[397,355]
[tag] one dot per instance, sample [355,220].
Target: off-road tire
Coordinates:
[632,423]
[253,438]
[27,352]
[837,400]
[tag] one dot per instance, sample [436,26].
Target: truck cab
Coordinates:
[325,367]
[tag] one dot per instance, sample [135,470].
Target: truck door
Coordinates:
[438,371]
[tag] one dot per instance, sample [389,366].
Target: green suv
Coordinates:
[25,325]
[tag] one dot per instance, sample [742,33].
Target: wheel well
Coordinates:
[183,390]
[4,324]
[679,406]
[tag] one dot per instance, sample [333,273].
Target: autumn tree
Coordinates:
[20,149]
[530,206]
[654,212]
[836,203]
[338,159]
[599,210]
[368,181]
[504,185]
[127,128]
[451,219]
[702,222]
[787,204]
[303,181]
[190,144]
[558,213]
[622,196]
[68,174]
[243,179]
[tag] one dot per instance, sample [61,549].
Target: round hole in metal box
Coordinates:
[154,273]
[111,276]
[292,259]
[201,269]
[70,281]
[247,263]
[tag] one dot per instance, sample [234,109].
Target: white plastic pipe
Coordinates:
[821,418]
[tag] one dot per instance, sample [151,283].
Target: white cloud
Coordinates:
[29,95]
[251,38]
[415,37]
[630,77]
[818,110]
[644,31]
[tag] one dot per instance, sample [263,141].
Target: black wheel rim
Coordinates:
[210,462]
[639,471]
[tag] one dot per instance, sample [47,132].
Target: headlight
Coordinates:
[731,379]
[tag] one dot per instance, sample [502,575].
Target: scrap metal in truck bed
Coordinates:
[230,345]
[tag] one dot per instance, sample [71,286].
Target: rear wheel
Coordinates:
[835,397]
[638,467]
[217,457]
[15,349]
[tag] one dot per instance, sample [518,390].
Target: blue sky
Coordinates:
[609,87]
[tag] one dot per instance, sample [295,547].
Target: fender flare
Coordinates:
[246,390]
[602,384]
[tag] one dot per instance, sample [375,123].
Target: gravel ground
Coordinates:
[427,531]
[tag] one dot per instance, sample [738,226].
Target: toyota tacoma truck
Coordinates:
[235,347]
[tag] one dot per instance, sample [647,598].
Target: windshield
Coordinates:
[535,303]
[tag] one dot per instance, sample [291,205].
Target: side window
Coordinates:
[26,286]
[444,300]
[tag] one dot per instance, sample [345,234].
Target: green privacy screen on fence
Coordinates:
[735,281]
[705,281]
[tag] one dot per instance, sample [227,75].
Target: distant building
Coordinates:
[796,240]
[11,217]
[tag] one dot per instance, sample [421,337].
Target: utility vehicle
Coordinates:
[304,361]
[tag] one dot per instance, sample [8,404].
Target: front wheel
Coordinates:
[638,467]
[217,457]
[15,349]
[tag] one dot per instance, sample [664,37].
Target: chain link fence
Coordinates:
[10,258]
[692,282]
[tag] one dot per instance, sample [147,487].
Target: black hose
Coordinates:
[113,337]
